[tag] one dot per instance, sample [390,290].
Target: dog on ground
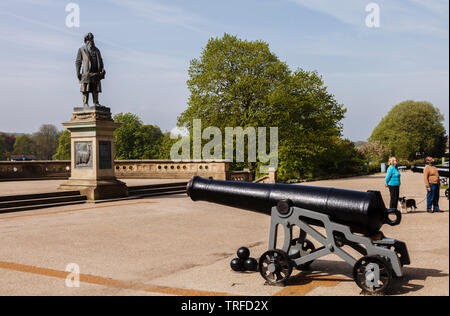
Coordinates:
[407,203]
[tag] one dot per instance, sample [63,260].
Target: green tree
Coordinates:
[23,145]
[148,141]
[231,83]
[2,148]
[412,127]
[63,151]
[341,157]
[242,83]
[166,145]
[46,141]
[125,135]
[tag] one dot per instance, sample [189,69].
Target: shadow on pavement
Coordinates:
[339,271]
[323,271]
[406,284]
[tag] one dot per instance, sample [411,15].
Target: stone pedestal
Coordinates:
[92,154]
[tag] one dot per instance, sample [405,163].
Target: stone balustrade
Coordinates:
[167,169]
[125,169]
[36,169]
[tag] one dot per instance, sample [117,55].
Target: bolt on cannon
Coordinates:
[349,218]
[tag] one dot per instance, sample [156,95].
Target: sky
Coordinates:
[147,46]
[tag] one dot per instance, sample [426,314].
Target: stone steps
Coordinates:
[35,196]
[26,202]
[157,189]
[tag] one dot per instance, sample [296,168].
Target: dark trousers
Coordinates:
[433,197]
[395,192]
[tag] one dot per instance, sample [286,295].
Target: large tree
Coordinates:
[124,136]
[23,145]
[412,127]
[2,148]
[239,83]
[133,140]
[46,141]
[148,141]
[64,143]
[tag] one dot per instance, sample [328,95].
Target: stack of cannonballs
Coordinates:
[244,262]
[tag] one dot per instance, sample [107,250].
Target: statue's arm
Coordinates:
[102,68]
[78,62]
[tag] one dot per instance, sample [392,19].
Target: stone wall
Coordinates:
[167,169]
[125,169]
[37,169]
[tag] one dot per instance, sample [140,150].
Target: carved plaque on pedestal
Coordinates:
[104,154]
[83,155]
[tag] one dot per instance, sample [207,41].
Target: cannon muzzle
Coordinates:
[363,212]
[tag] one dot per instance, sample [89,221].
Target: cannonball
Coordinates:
[237,264]
[243,253]
[251,264]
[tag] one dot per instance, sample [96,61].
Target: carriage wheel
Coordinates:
[306,247]
[275,267]
[372,274]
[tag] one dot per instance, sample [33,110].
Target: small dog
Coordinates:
[410,203]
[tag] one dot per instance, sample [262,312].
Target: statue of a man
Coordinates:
[89,67]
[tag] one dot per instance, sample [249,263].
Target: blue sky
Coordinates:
[147,46]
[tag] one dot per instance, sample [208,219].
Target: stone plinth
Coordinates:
[92,152]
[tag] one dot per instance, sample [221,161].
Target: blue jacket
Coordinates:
[393,176]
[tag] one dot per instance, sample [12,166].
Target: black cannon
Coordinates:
[344,214]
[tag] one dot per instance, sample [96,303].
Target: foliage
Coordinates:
[63,151]
[166,145]
[133,140]
[23,145]
[124,136]
[359,143]
[374,152]
[46,141]
[2,148]
[412,127]
[239,83]
[9,141]
[148,140]
[341,157]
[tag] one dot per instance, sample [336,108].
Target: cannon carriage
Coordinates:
[334,218]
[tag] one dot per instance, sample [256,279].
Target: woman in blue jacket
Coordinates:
[393,182]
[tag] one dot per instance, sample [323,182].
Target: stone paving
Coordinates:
[174,246]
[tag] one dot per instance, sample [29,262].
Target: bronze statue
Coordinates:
[89,62]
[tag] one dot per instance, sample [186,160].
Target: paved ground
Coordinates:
[173,246]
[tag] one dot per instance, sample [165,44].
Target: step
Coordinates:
[157,190]
[156,186]
[34,196]
[48,200]
[161,193]
[40,206]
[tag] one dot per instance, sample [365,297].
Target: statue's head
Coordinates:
[89,37]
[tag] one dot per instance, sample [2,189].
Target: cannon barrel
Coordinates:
[364,212]
[443,170]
